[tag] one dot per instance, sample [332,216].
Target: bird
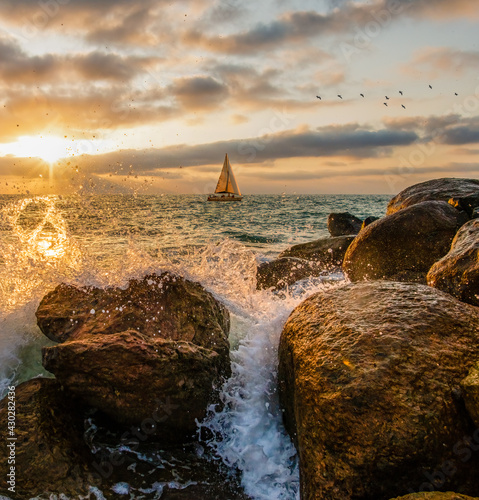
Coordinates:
[455,93]
[402,105]
[385,103]
[430,86]
[340,96]
[362,95]
[318,97]
[386,97]
[400,92]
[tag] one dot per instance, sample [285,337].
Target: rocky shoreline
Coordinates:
[378,378]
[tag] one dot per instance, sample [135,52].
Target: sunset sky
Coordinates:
[117,96]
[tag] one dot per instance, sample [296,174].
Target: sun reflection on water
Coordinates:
[36,249]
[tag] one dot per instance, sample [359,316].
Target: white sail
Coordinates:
[227,181]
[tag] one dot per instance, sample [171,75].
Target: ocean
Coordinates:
[107,240]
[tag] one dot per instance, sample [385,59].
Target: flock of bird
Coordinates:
[387,98]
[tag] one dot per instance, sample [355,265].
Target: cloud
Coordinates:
[440,9]
[434,62]
[238,118]
[351,141]
[76,111]
[199,92]
[18,67]
[461,134]
[291,27]
[452,129]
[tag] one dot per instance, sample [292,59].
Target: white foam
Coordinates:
[249,433]
[121,488]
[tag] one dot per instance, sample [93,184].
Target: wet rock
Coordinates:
[470,387]
[368,220]
[457,272]
[54,455]
[283,272]
[403,246]
[164,385]
[165,306]
[369,375]
[435,495]
[50,454]
[343,223]
[125,462]
[327,252]
[436,189]
[303,261]
[156,351]
[467,203]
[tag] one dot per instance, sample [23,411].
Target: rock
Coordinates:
[53,459]
[457,272]
[470,387]
[436,189]
[134,379]
[327,252]
[165,306]
[435,495]
[283,272]
[160,343]
[367,221]
[303,261]
[467,203]
[369,378]
[343,223]
[403,246]
[50,453]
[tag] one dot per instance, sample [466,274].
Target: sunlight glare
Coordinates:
[51,148]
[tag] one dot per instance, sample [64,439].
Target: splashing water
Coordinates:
[36,251]
[248,432]
[48,240]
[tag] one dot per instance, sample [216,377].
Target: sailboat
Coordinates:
[226,189]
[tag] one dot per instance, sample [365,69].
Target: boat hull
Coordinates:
[224,198]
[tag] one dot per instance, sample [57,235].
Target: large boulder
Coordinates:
[162,342]
[135,379]
[369,379]
[436,189]
[64,451]
[343,223]
[457,272]
[403,246]
[50,453]
[165,306]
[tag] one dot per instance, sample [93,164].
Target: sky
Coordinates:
[306,97]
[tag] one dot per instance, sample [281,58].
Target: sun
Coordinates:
[52,148]
[47,147]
